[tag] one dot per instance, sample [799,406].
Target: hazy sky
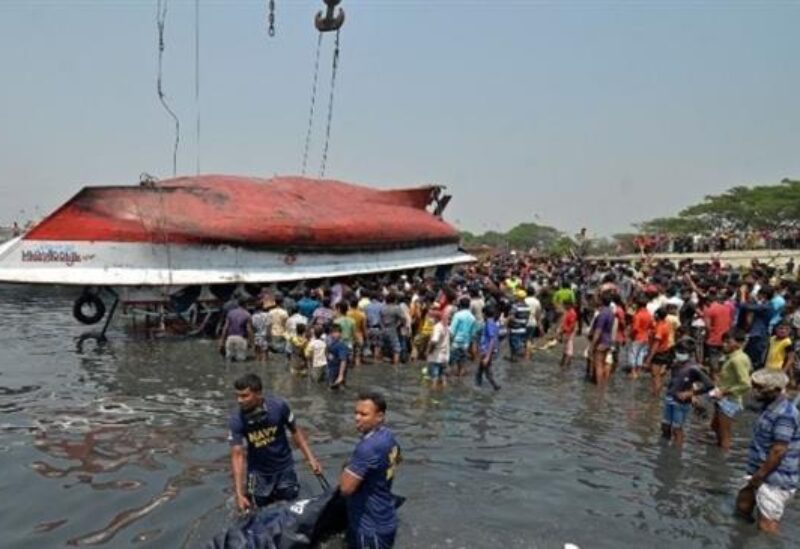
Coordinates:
[573,114]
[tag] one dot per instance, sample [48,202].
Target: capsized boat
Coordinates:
[191,236]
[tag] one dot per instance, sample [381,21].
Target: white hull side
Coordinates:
[146,264]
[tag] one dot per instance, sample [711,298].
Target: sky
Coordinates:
[573,113]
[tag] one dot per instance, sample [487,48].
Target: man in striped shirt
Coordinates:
[518,324]
[773,465]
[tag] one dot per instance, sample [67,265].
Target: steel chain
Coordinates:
[271,18]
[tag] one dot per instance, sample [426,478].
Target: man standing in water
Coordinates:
[601,339]
[774,460]
[732,385]
[488,346]
[683,386]
[237,332]
[262,421]
[462,328]
[366,480]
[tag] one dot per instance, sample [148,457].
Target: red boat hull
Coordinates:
[283,213]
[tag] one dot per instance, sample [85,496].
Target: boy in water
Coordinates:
[641,326]
[315,353]
[338,354]
[660,356]
[438,351]
[780,355]
[569,322]
[261,330]
[489,343]
[298,343]
[686,375]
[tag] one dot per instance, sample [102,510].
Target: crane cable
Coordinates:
[313,104]
[334,68]
[197,82]
[161,19]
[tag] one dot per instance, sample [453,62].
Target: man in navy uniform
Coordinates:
[260,423]
[366,480]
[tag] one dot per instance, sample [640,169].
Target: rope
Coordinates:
[324,162]
[197,81]
[161,19]
[313,105]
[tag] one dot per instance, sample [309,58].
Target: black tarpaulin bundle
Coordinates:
[297,525]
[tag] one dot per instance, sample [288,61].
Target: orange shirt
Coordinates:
[661,337]
[641,324]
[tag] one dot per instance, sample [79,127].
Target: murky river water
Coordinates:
[124,445]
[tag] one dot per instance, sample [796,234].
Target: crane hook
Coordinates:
[330,21]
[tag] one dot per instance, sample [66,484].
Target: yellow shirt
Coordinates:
[427,327]
[513,283]
[777,352]
[360,321]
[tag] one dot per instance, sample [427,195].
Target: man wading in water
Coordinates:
[773,465]
[263,422]
[366,480]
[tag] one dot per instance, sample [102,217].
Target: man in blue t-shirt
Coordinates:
[366,480]
[338,353]
[462,330]
[260,423]
[308,304]
[488,345]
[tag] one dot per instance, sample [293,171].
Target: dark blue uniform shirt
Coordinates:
[372,508]
[264,430]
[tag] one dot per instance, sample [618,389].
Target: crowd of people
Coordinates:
[706,334]
[718,241]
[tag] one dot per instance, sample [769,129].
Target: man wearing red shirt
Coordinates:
[641,325]
[718,321]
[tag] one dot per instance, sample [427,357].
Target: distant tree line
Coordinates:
[525,236]
[762,207]
[737,210]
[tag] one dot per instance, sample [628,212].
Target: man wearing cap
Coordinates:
[774,457]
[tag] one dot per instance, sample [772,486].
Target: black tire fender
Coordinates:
[95,302]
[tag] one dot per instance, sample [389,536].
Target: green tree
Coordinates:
[522,237]
[739,208]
